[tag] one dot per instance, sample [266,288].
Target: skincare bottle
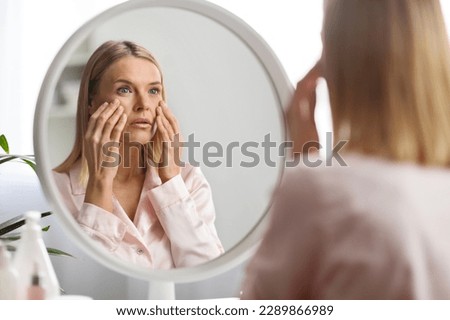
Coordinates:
[35,290]
[8,275]
[31,253]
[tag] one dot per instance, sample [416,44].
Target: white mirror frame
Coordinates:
[281,84]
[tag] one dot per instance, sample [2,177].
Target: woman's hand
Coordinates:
[101,141]
[169,132]
[300,114]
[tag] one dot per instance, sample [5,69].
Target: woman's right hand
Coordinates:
[101,141]
[300,113]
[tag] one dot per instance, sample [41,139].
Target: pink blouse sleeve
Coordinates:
[98,223]
[185,208]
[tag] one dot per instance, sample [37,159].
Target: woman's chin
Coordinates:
[137,136]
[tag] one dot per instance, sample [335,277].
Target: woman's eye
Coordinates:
[123,90]
[154,91]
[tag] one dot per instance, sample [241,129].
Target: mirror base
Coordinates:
[161,290]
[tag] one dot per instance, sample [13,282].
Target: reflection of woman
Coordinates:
[144,208]
[379,228]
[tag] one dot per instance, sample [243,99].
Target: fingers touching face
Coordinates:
[166,122]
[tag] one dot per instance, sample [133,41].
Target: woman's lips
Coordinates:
[141,123]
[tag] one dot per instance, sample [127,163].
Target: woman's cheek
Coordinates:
[156,99]
[126,104]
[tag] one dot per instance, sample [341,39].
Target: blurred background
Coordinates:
[32,32]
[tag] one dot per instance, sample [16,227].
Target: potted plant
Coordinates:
[8,229]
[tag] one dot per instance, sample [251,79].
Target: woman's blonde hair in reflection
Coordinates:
[100,60]
[388,72]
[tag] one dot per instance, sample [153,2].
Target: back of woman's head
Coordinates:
[387,65]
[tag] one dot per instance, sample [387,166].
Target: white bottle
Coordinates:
[35,291]
[31,253]
[8,275]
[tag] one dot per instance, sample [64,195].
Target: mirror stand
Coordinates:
[161,290]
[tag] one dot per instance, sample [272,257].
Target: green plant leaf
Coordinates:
[50,251]
[4,158]
[16,222]
[14,236]
[26,159]
[30,163]
[10,238]
[4,143]
[57,252]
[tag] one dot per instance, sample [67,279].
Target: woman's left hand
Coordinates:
[169,132]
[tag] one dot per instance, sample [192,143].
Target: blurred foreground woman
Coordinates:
[377,228]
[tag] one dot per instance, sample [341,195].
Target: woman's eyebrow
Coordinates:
[131,83]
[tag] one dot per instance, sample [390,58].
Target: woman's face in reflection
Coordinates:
[136,83]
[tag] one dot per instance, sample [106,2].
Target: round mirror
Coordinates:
[226,88]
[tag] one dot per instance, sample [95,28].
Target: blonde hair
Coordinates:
[104,56]
[387,65]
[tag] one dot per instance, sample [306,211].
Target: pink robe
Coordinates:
[173,226]
[373,230]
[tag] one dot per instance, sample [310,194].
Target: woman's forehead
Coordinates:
[132,69]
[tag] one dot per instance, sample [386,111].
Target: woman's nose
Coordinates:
[143,103]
